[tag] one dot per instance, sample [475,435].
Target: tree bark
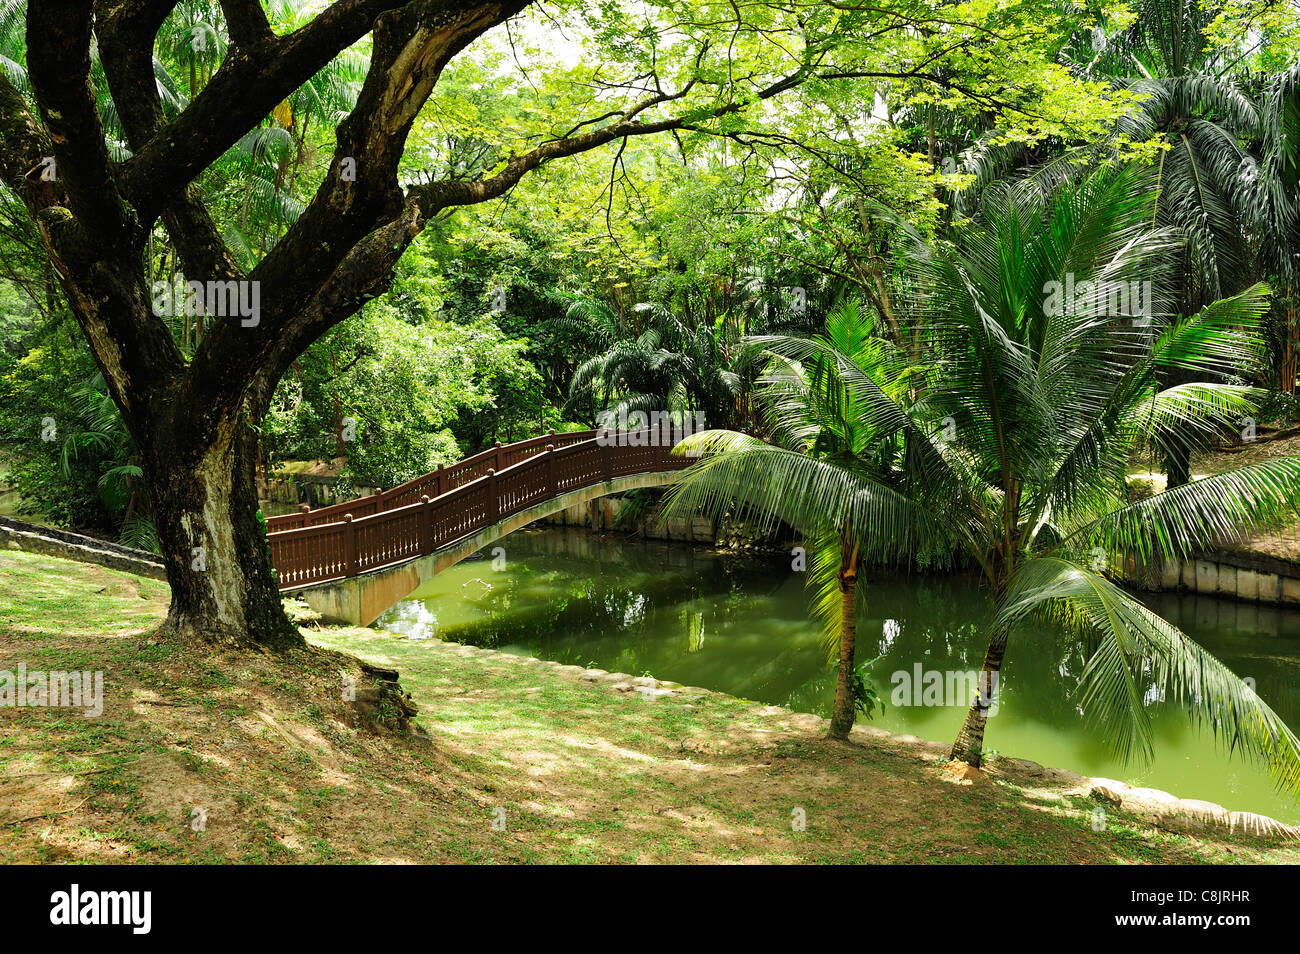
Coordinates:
[969,746]
[845,711]
[204,501]
[1178,467]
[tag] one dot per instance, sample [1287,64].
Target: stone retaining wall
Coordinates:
[602,514]
[1252,577]
[33,538]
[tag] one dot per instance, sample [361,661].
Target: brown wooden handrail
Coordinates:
[433,483]
[346,539]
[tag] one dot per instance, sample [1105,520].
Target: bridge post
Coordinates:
[349,545]
[437,481]
[496,457]
[493,505]
[608,454]
[426,524]
[552,484]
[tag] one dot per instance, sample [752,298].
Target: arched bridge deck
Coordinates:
[352,561]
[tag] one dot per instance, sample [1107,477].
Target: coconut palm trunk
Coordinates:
[843,715]
[969,744]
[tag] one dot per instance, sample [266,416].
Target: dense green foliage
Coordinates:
[630,276]
[1009,448]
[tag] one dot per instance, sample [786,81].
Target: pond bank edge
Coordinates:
[1149,805]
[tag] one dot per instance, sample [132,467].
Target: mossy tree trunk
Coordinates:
[203,493]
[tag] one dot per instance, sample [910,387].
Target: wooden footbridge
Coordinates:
[353,560]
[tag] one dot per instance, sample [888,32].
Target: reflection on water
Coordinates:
[740,625]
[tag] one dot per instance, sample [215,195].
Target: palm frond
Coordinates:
[742,475]
[1138,659]
[1224,508]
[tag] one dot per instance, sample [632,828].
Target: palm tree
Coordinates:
[1226,177]
[829,468]
[1011,454]
[658,363]
[1273,212]
[1193,96]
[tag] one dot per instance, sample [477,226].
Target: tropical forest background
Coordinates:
[628,277]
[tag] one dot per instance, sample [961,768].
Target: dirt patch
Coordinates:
[1284,544]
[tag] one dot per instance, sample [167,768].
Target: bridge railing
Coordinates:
[353,543]
[432,484]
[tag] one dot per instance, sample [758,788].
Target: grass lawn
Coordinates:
[249,757]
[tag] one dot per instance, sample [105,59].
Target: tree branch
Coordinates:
[250,83]
[436,196]
[411,47]
[247,23]
[58,63]
[126,36]
[23,143]
[93,242]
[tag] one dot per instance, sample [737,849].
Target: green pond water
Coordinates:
[740,625]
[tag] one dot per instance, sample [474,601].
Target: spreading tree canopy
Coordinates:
[105,157]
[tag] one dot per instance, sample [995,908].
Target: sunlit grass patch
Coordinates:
[579,771]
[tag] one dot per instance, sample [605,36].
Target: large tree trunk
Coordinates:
[192,416]
[204,502]
[969,746]
[845,711]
